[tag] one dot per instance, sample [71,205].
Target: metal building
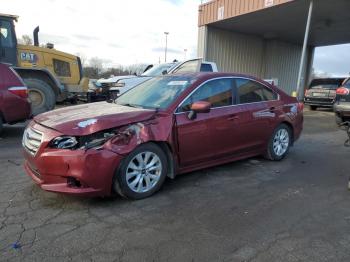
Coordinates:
[271,39]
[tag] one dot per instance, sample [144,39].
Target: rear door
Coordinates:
[259,110]
[8,42]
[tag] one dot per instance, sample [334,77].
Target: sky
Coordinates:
[125,32]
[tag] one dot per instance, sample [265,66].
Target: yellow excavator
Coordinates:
[51,75]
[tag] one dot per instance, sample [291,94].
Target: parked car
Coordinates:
[342,104]
[188,66]
[14,102]
[321,92]
[166,126]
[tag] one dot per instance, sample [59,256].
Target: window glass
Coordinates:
[158,70]
[347,83]
[206,68]
[249,91]
[6,34]
[61,68]
[188,67]
[217,92]
[158,92]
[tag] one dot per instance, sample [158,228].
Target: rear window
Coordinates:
[347,83]
[206,68]
[329,83]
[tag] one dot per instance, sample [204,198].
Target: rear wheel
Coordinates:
[41,95]
[141,173]
[279,143]
[313,108]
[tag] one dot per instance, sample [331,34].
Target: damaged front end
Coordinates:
[113,139]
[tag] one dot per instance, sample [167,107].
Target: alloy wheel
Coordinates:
[143,172]
[281,142]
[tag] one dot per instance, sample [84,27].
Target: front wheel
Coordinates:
[141,173]
[313,108]
[279,143]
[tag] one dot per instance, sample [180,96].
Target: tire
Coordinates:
[41,95]
[338,120]
[313,108]
[130,186]
[273,152]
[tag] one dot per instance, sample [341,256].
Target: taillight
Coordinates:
[21,91]
[300,107]
[343,91]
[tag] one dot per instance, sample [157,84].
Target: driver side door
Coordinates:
[210,135]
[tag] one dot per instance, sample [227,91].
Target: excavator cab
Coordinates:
[8,40]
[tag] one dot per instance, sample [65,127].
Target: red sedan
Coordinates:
[166,126]
[14,103]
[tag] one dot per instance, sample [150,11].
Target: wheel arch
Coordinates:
[167,149]
[44,75]
[290,127]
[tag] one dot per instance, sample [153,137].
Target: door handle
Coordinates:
[232,118]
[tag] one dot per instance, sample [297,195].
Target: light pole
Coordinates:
[185,50]
[166,44]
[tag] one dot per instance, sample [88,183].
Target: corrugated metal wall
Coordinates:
[231,8]
[235,52]
[202,42]
[282,61]
[240,53]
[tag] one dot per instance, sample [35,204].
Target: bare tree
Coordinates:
[25,40]
[83,59]
[96,63]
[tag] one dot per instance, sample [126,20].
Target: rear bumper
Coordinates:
[320,102]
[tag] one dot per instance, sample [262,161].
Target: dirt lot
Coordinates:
[252,210]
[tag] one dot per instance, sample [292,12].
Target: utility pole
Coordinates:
[185,50]
[166,44]
[303,53]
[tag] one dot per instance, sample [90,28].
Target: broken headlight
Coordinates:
[95,141]
[64,142]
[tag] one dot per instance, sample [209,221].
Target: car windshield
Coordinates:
[156,93]
[158,70]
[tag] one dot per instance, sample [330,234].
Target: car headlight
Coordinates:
[65,142]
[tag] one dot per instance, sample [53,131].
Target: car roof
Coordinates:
[209,75]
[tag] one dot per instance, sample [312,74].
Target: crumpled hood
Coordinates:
[90,118]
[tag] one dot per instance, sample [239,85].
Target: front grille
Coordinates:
[32,140]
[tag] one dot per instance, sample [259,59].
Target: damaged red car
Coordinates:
[164,127]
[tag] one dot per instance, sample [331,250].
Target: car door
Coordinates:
[210,135]
[258,112]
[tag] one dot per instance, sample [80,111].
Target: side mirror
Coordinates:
[165,72]
[199,107]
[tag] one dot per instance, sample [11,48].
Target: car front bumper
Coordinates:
[75,172]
